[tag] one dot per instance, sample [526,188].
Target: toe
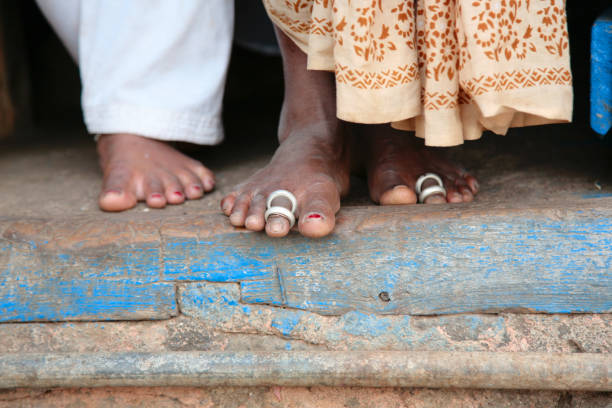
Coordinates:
[452,193]
[388,187]
[472,183]
[154,193]
[239,212]
[227,204]
[191,184]
[466,194]
[255,217]
[398,195]
[173,189]
[436,198]
[207,178]
[277,226]
[317,213]
[117,192]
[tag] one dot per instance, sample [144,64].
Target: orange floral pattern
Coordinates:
[450,52]
[376,80]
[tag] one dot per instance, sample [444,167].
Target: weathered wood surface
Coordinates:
[405,260]
[93,274]
[258,327]
[539,371]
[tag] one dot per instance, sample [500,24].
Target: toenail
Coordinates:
[178,193]
[196,187]
[209,184]
[314,216]
[112,192]
[276,227]
[156,195]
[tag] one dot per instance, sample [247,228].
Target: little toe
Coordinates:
[240,210]
[255,220]
[117,194]
[277,226]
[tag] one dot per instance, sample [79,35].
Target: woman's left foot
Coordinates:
[395,160]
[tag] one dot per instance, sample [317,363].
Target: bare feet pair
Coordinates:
[314,164]
[313,161]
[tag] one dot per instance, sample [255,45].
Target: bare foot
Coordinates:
[312,164]
[397,159]
[312,161]
[136,169]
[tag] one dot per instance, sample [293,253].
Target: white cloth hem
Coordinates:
[190,127]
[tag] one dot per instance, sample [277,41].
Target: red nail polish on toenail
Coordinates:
[315,216]
[156,195]
[178,193]
[197,187]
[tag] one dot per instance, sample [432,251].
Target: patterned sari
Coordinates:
[447,69]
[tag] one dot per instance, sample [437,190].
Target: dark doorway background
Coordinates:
[47,89]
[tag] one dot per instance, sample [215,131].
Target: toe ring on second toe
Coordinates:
[280,211]
[431,190]
[285,194]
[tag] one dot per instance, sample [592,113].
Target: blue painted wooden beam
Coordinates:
[218,306]
[601,73]
[481,264]
[86,299]
[408,260]
[55,272]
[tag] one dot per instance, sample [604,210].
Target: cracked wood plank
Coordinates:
[52,271]
[478,265]
[428,262]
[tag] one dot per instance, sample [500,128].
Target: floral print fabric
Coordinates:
[447,69]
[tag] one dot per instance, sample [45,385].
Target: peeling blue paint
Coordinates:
[56,300]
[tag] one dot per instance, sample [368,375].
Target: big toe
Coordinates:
[117,194]
[388,186]
[116,200]
[317,215]
[398,195]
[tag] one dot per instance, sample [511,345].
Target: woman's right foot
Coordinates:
[311,163]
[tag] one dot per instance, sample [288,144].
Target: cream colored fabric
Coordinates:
[446,68]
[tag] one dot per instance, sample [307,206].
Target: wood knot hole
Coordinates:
[384,296]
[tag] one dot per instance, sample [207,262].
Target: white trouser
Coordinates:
[155,68]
